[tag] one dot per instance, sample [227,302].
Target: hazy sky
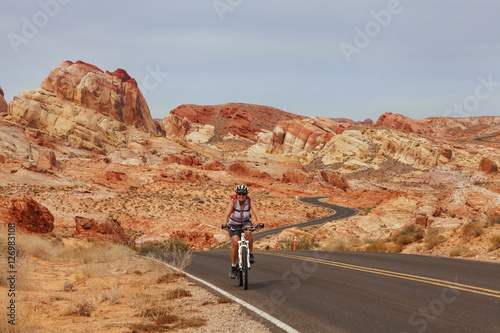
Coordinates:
[349,58]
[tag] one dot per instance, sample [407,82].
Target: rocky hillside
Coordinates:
[84,149]
[86,106]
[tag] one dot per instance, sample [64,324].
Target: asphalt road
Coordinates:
[487,137]
[340,212]
[336,291]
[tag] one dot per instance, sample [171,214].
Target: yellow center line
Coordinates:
[443,283]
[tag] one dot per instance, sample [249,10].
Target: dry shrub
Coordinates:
[338,244]
[408,234]
[493,220]
[36,246]
[83,308]
[495,243]
[379,245]
[461,251]
[472,229]
[178,293]
[95,252]
[396,248]
[168,245]
[178,259]
[433,238]
[303,243]
[87,272]
[113,295]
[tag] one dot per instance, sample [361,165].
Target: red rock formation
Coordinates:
[240,169]
[113,94]
[488,165]
[427,208]
[471,200]
[295,136]
[184,175]
[176,126]
[399,122]
[47,159]
[182,159]
[334,178]
[367,121]
[213,165]
[27,214]
[297,176]
[105,229]
[243,120]
[197,239]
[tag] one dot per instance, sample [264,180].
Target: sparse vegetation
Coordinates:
[493,220]
[408,234]
[169,245]
[338,244]
[379,245]
[433,238]
[83,308]
[461,251]
[495,243]
[303,243]
[472,229]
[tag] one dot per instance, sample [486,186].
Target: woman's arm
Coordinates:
[229,210]
[253,210]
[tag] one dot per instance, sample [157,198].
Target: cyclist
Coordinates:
[239,212]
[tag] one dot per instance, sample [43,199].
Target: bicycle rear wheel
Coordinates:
[244,271]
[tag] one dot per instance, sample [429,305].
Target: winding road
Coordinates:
[336,291]
[340,212]
[487,137]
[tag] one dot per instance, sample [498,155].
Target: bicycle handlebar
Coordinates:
[239,228]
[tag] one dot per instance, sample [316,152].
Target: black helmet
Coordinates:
[242,189]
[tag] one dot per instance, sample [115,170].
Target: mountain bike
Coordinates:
[243,260]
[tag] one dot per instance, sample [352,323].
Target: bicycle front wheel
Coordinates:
[244,271]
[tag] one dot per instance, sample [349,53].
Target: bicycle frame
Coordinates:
[243,258]
[241,244]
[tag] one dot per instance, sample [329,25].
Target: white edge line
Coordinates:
[250,307]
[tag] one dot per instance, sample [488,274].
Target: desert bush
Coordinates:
[433,238]
[95,252]
[169,245]
[338,244]
[82,308]
[303,243]
[178,293]
[408,234]
[492,220]
[379,245]
[472,229]
[461,251]
[495,242]
[396,248]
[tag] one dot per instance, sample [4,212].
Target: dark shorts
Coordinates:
[236,233]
